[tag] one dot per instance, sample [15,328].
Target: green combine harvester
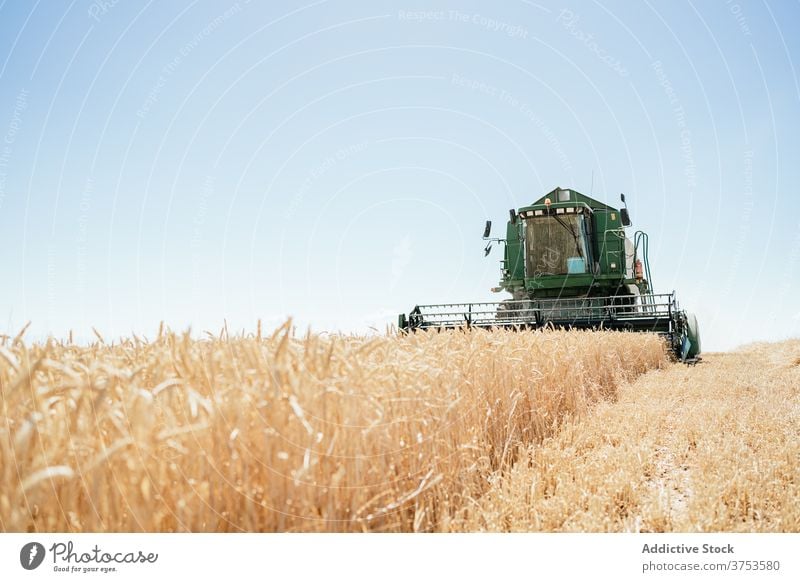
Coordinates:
[569,264]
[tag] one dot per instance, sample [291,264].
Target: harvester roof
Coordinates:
[565,195]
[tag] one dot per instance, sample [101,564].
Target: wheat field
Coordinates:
[465,430]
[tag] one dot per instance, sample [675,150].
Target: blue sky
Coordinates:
[334,161]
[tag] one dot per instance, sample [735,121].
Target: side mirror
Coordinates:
[487,250]
[623,212]
[513,216]
[487,230]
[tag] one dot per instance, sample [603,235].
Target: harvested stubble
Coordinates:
[318,433]
[686,449]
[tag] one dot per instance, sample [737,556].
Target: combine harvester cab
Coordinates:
[569,264]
